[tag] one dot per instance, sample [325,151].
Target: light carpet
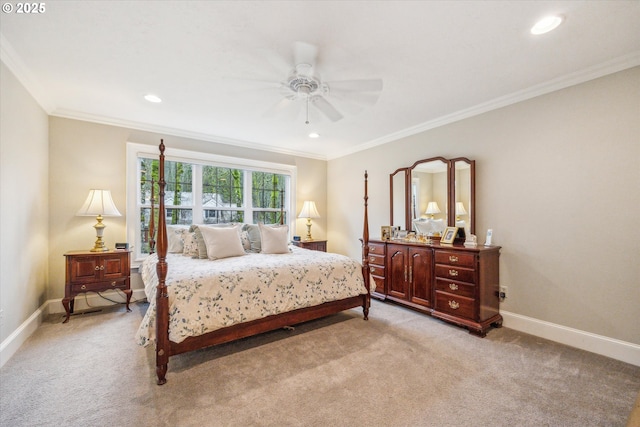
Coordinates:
[400,368]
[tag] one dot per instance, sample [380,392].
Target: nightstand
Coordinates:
[314,245]
[95,272]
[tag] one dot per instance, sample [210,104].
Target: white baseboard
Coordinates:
[12,343]
[599,344]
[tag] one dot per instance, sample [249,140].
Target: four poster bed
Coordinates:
[205,301]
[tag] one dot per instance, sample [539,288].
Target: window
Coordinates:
[203,188]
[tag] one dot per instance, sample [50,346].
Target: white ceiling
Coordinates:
[211,62]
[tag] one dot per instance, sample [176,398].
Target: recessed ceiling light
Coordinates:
[314,135]
[547,24]
[152,98]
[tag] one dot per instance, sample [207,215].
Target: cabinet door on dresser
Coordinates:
[397,271]
[409,272]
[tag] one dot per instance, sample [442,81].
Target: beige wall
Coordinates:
[86,155]
[558,180]
[23,204]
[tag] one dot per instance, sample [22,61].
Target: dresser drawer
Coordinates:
[456,273]
[456,288]
[99,286]
[378,282]
[456,258]
[376,260]
[376,270]
[455,305]
[376,248]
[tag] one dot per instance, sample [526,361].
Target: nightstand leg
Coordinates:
[128,293]
[65,303]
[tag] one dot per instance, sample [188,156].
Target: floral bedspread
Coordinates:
[206,295]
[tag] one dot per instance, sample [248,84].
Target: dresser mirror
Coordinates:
[433,194]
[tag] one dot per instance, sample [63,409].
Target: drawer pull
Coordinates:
[113,283]
[102,267]
[83,287]
[373,270]
[372,248]
[453,273]
[97,267]
[453,258]
[372,259]
[453,286]
[454,305]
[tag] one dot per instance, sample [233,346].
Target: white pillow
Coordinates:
[222,242]
[275,240]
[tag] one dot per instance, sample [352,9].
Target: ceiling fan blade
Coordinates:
[305,53]
[371,85]
[364,99]
[326,108]
[278,107]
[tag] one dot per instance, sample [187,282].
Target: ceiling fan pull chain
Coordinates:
[307,122]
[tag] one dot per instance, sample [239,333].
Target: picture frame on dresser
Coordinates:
[449,235]
[385,232]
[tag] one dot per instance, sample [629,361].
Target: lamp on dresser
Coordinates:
[309,211]
[460,210]
[432,208]
[99,203]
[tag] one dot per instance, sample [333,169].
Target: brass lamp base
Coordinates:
[99,244]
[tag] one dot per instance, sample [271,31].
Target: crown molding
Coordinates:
[591,73]
[12,60]
[146,127]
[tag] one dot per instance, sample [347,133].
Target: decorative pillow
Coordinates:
[222,242]
[275,239]
[175,238]
[190,245]
[202,247]
[246,243]
[253,231]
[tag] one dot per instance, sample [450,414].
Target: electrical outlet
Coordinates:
[503,293]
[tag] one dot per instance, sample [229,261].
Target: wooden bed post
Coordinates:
[162,298]
[151,234]
[365,250]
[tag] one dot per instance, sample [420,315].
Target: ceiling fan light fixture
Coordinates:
[152,98]
[547,24]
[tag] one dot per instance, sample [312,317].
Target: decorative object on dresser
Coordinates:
[446,277]
[99,203]
[88,271]
[314,245]
[166,329]
[309,211]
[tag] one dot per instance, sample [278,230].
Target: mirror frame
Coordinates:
[472,192]
[451,193]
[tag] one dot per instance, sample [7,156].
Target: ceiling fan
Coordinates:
[304,87]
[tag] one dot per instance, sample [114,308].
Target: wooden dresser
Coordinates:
[451,282]
[95,272]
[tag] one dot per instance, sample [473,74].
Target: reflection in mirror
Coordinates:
[464,193]
[429,197]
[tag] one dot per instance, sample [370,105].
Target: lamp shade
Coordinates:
[432,208]
[99,202]
[309,210]
[460,210]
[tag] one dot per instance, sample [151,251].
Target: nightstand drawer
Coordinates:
[455,305]
[99,286]
[376,270]
[376,248]
[378,282]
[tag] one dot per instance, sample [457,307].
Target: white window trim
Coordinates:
[136,150]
